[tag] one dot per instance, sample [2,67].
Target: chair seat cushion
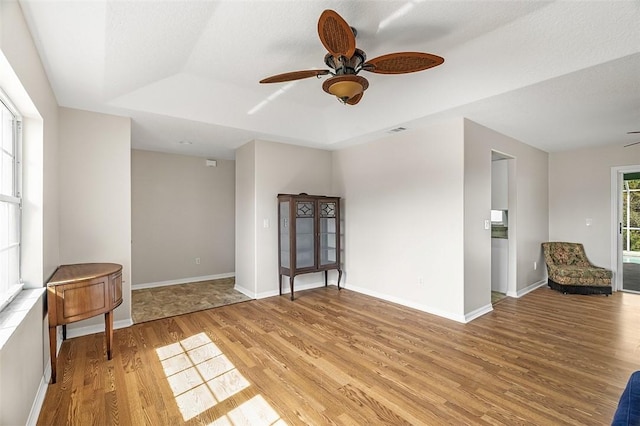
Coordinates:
[580,275]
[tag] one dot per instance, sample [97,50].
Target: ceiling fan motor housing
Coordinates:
[343,65]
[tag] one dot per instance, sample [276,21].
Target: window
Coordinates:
[10,201]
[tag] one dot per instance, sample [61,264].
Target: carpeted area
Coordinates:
[160,302]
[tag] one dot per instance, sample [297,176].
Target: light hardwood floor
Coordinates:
[334,357]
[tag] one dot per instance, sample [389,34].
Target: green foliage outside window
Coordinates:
[634,215]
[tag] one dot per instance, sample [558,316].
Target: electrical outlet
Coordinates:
[197,260]
[535,265]
[420,280]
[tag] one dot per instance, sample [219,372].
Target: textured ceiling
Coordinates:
[556,75]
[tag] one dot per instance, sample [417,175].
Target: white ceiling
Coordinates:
[556,75]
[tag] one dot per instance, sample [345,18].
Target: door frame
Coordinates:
[617,173]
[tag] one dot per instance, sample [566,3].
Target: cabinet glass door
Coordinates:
[305,230]
[328,236]
[284,234]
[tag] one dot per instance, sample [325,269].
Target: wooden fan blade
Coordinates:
[402,63]
[294,75]
[631,144]
[336,35]
[355,99]
[630,133]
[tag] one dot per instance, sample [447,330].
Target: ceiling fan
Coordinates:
[346,61]
[633,143]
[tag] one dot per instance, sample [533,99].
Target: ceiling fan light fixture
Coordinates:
[345,87]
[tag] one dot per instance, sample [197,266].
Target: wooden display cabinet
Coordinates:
[308,236]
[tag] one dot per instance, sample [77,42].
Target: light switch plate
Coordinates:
[487,224]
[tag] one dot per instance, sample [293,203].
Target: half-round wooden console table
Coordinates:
[81,291]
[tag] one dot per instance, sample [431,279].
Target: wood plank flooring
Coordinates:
[342,358]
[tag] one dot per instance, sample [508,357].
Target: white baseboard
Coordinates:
[263,295]
[36,407]
[97,328]
[408,303]
[287,290]
[182,281]
[245,291]
[518,294]
[478,313]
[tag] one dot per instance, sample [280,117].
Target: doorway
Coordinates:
[625,183]
[502,226]
[630,235]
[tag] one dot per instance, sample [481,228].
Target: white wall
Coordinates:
[283,169]
[24,357]
[528,213]
[246,219]
[403,217]
[95,197]
[270,168]
[580,188]
[181,210]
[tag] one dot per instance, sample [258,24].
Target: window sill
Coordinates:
[16,311]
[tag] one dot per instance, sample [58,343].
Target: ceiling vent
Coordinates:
[397,130]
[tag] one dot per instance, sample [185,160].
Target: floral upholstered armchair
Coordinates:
[571,272]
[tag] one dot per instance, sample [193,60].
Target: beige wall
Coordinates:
[528,213]
[181,210]
[271,168]
[580,188]
[24,357]
[403,217]
[95,198]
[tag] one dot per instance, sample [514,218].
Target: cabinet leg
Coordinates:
[108,331]
[339,277]
[326,278]
[291,284]
[64,331]
[53,337]
[280,283]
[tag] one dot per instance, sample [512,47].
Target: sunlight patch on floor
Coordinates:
[201,377]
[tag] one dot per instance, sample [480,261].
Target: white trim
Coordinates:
[478,313]
[407,303]
[245,291]
[518,294]
[97,328]
[183,281]
[36,407]
[287,290]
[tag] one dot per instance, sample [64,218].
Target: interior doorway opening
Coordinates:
[503,221]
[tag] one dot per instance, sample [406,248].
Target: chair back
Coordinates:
[564,253]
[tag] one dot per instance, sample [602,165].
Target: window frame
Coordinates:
[8,294]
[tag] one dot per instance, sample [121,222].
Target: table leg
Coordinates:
[53,338]
[108,331]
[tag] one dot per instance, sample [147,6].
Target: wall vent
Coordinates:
[397,130]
